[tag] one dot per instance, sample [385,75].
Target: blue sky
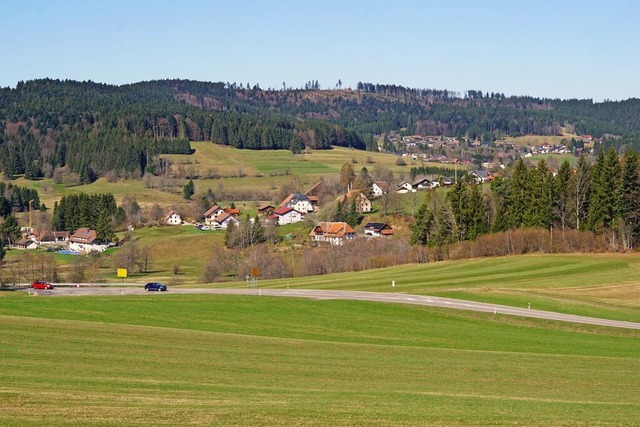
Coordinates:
[562,48]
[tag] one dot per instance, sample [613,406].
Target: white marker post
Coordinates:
[393,285]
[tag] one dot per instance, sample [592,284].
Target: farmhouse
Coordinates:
[363,204]
[481,176]
[284,215]
[422,183]
[52,237]
[379,188]
[223,220]
[84,240]
[211,214]
[265,209]
[404,187]
[26,243]
[299,202]
[172,218]
[439,180]
[334,233]
[377,229]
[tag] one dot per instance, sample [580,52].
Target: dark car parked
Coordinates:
[155,286]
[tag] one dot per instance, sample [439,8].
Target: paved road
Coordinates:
[397,298]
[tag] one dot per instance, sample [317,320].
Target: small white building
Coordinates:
[222,221]
[379,188]
[284,215]
[299,202]
[172,218]
[211,214]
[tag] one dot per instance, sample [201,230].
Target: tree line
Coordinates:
[94,211]
[603,198]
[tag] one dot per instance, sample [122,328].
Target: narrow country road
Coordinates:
[397,298]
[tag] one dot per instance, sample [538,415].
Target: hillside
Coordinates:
[90,129]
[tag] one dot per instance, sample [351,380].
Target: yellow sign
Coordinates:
[122,272]
[255,271]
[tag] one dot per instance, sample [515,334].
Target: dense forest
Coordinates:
[603,198]
[91,129]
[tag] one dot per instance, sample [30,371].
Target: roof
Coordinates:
[232,211]
[168,215]
[223,217]
[24,242]
[313,189]
[84,235]
[420,179]
[384,186]
[211,210]
[481,174]
[282,210]
[378,226]
[264,207]
[352,194]
[295,198]
[332,229]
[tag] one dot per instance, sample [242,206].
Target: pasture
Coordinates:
[597,285]
[167,359]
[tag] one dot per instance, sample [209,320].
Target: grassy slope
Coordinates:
[177,359]
[603,285]
[262,170]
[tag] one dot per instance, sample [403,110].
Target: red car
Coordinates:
[40,284]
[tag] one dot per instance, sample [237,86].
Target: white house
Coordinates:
[26,243]
[379,188]
[422,183]
[284,215]
[299,202]
[172,218]
[223,220]
[377,229]
[405,187]
[211,214]
[481,176]
[84,240]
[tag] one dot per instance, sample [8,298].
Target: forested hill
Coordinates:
[94,128]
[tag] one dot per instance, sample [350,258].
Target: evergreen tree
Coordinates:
[518,191]
[422,226]
[580,192]
[630,194]
[3,251]
[477,222]
[562,200]
[605,203]
[539,197]
[10,230]
[353,217]
[188,190]
[104,226]
[340,214]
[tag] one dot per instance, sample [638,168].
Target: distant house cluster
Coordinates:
[83,240]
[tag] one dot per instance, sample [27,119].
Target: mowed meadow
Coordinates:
[164,359]
[222,168]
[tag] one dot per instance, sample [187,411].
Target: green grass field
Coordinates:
[529,140]
[597,285]
[167,359]
[238,170]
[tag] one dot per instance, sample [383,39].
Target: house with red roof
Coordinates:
[335,233]
[285,215]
